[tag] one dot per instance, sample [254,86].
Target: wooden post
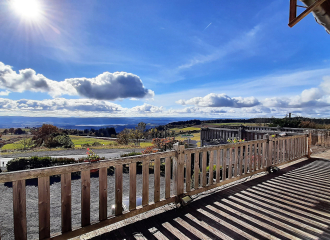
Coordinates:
[211,167]
[196,170]
[188,172]
[167,177]
[19,206]
[103,190]
[178,170]
[217,174]
[119,189]
[85,198]
[309,145]
[44,207]
[66,202]
[204,162]
[157,180]
[132,186]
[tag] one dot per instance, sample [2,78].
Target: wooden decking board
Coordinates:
[302,183]
[251,206]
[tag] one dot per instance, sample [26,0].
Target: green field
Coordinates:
[12,146]
[187,129]
[80,140]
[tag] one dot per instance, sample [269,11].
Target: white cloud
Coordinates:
[106,86]
[147,108]
[4,93]
[220,100]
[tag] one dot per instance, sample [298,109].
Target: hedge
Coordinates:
[18,164]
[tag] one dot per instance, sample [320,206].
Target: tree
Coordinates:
[141,127]
[19,131]
[124,137]
[27,143]
[11,130]
[5,132]
[136,135]
[44,133]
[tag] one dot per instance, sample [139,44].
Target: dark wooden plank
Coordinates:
[66,202]
[167,177]
[85,198]
[293,10]
[308,10]
[103,194]
[157,180]
[19,206]
[145,182]
[119,189]
[188,172]
[44,207]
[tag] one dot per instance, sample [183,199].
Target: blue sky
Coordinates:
[162,58]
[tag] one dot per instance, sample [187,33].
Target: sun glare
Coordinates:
[29,9]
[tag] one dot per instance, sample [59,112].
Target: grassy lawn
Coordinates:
[80,140]
[187,129]
[145,144]
[12,146]
[232,124]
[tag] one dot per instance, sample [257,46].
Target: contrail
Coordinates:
[207,26]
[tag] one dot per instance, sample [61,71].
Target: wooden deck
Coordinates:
[291,204]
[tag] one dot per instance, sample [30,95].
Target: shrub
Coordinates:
[19,164]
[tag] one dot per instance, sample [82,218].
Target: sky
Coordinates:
[175,58]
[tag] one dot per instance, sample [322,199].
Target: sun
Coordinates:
[28,9]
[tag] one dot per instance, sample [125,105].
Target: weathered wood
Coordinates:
[224,164]
[44,207]
[180,179]
[103,194]
[145,183]
[66,202]
[196,170]
[132,186]
[256,157]
[278,151]
[167,177]
[157,180]
[246,155]
[240,160]
[218,163]
[119,189]
[270,153]
[308,10]
[19,206]
[112,220]
[293,10]
[78,167]
[283,150]
[204,162]
[236,162]
[85,198]
[309,145]
[230,165]
[211,167]
[188,173]
[251,157]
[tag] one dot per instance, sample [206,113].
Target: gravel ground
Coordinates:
[6,204]
[68,152]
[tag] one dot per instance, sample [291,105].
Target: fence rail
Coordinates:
[192,170]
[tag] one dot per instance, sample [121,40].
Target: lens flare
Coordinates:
[28,9]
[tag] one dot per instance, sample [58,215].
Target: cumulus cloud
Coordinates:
[59,104]
[106,86]
[313,97]
[147,108]
[220,100]
[4,93]
[110,86]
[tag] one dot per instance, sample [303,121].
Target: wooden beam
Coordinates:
[293,10]
[304,13]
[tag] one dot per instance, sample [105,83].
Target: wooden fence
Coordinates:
[190,176]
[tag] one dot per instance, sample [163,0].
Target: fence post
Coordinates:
[178,171]
[309,145]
